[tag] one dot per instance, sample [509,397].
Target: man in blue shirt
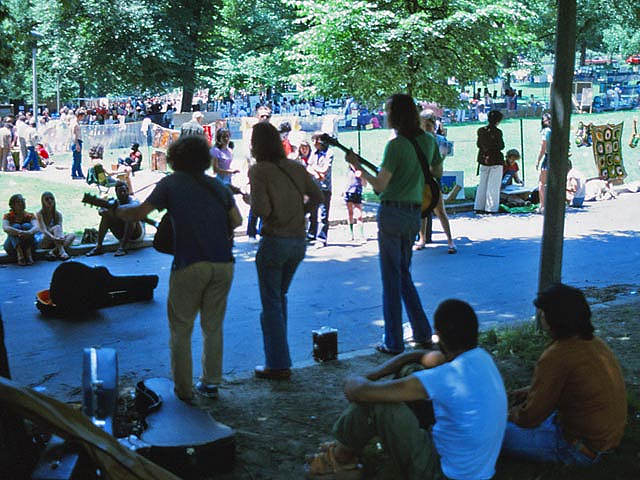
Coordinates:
[465,390]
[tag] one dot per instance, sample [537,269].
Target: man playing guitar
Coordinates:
[400,182]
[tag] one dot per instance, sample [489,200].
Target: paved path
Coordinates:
[495,270]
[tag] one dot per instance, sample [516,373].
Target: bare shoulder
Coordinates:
[432,359]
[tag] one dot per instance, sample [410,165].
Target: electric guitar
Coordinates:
[110,204]
[430,192]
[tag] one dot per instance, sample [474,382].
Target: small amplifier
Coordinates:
[325,344]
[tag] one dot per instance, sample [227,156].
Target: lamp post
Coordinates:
[58,93]
[36,35]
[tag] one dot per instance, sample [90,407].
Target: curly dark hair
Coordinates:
[566,311]
[494,117]
[16,197]
[189,154]
[403,115]
[266,145]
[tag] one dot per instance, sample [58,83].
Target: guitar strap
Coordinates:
[292,181]
[213,191]
[423,160]
[428,178]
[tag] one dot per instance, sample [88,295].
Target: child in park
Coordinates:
[353,198]
[576,186]
[510,169]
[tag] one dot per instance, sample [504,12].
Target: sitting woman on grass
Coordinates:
[50,224]
[22,231]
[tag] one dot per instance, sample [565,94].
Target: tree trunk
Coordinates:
[583,53]
[553,229]
[188,86]
[81,88]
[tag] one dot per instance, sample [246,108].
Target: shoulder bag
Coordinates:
[431,190]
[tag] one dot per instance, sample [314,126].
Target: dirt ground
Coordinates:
[277,423]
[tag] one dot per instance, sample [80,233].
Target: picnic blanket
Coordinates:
[607,151]
[524,209]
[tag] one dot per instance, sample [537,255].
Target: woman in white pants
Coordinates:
[490,159]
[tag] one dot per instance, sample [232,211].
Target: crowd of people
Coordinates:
[445,413]
[499,171]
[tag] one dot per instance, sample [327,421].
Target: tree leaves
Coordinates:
[372,49]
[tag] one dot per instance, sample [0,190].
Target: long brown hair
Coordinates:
[45,213]
[403,115]
[266,145]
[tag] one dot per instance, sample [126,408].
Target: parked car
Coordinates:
[634,59]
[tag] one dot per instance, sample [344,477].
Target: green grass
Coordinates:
[524,342]
[68,196]
[372,143]
[465,150]
[76,215]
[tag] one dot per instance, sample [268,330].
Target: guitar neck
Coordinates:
[110,205]
[364,162]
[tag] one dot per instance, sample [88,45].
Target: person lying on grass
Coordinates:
[576,407]
[461,386]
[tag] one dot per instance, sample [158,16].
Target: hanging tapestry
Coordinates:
[607,151]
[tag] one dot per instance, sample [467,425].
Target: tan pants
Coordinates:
[201,287]
[4,153]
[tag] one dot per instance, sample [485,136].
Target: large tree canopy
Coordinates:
[371,48]
[367,49]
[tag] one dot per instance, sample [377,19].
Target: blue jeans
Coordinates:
[253,228]
[76,169]
[544,443]
[276,262]
[31,162]
[13,241]
[324,206]
[397,229]
[577,202]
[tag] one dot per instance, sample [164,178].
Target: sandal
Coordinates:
[21,261]
[64,256]
[50,255]
[452,250]
[324,465]
[120,252]
[382,348]
[419,246]
[94,251]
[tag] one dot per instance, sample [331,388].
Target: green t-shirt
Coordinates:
[407,178]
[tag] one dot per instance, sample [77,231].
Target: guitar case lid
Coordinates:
[184,439]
